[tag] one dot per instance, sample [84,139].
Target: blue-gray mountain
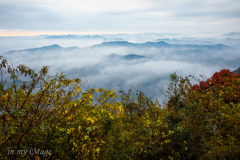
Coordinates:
[236,71]
[54,47]
[126,57]
[161,44]
[232,34]
[70,36]
[120,64]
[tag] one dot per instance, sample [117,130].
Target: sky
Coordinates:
[180,22]
[44,17]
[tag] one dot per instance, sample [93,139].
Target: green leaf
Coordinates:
[75,145]
[89,130]
[98,150]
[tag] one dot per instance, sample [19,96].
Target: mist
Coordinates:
[124,61]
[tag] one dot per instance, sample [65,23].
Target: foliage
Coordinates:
[64,122]
[225,84]
[206,119]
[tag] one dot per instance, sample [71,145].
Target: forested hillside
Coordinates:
[60,121]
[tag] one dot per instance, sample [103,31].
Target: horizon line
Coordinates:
[17,33]
[24,33]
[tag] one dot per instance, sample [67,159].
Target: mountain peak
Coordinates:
[132,57]
[51,47]
[115,43]
[236,71]
[44,48]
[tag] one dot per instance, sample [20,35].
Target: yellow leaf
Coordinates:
[68,131]
[91,120]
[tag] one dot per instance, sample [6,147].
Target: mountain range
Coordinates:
[70,36]
[189,51]
[160,44]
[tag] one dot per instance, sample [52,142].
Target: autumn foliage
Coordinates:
[225,83]
[53,114]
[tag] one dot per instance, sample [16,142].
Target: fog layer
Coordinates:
[120,62]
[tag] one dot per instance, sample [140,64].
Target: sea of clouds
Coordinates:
[101,63]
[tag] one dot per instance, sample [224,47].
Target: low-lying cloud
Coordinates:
[121,65]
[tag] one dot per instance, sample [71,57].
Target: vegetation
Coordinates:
[60,121]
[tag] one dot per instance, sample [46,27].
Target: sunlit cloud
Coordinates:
[37,33]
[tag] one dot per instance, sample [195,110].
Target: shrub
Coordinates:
[64,122]
[209,117]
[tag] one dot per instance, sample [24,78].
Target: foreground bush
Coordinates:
[206,117]
[50,117]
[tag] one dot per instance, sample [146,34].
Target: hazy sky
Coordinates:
[29,17]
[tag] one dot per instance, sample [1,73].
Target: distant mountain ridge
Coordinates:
[44,48]
[132,57]
[236,71]
[70,36]
[129,44]
[157,45]
[126,57]
[160,44]
[232,34]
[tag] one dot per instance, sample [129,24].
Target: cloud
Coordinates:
[95,65]
[134,15]
[26,16]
